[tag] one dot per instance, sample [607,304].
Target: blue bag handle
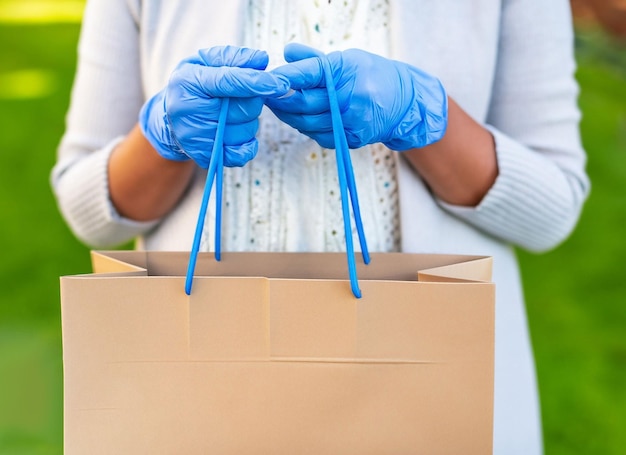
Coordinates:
[347,188]
[347,183]
[215,172]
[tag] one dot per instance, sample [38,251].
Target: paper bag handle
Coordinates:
[347,183]
[347,187]
[215,172]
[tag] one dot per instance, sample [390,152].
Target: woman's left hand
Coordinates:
[380,100]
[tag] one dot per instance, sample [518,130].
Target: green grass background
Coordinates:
[576,294]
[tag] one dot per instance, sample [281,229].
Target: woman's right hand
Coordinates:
[180,121]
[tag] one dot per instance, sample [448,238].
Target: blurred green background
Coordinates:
[576,294]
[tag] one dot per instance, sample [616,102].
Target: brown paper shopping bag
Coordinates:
[272,354]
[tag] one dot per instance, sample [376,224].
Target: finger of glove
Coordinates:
[234,155]
[296,51]
[235,135]
[307,124]
[324,139]
[232,56]
[193,140]
[198,140]
[237,156]
[227,82]
[302,74]
[323,135]
[364,124]
[311,101]
[197,109]
[243,110]
[360,137]
[240,110]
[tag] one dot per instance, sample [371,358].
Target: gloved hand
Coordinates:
[380,100]
[181,120]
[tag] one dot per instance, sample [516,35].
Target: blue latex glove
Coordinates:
[181,120]
[380,100]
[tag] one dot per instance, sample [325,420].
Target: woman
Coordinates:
[508,172]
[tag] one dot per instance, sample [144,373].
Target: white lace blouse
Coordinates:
[287,198]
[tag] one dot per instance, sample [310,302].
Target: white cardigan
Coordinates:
[508,63]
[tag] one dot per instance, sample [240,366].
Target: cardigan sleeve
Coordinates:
[106,97]
[538,195]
